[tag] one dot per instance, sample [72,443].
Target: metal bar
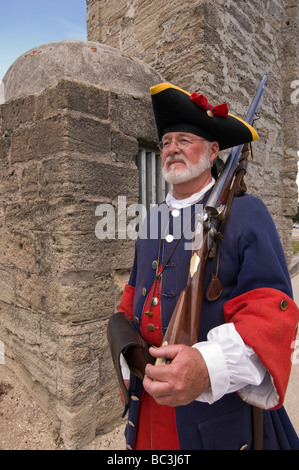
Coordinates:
[142,175]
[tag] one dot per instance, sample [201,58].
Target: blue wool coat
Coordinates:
[251,257]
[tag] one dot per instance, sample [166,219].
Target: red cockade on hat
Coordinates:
[201,101]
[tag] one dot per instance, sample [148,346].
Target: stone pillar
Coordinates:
[223,49]
[74,115]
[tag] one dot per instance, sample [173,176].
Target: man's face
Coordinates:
[184,157]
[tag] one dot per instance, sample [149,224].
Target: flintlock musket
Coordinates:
[184,324]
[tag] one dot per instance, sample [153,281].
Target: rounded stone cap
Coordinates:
[86,61]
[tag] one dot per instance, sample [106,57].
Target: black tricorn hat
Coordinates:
[177,110]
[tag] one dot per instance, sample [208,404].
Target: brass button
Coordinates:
[154,264]
[155,301]
[284,304]
[136,320]
[143,291]
[149,313]
[151,327]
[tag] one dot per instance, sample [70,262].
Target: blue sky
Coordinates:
[25,24]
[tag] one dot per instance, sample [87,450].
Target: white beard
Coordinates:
[176,176]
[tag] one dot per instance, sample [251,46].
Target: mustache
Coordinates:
[175,158]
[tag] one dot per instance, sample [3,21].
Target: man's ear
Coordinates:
[214,150]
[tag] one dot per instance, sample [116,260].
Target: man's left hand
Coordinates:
[181,381]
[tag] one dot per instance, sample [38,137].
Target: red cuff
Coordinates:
[267,319]
[126,304]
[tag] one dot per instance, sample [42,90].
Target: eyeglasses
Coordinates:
[181,143]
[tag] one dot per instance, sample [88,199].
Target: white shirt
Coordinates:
[182,203]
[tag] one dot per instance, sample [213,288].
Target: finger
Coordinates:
[156,373]
[156,388]
[167,352]
[160,392]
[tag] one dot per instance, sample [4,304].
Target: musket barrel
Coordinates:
[233,158]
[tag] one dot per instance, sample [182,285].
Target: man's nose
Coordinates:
[173,147]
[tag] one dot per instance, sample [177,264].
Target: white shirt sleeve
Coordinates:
[232,367]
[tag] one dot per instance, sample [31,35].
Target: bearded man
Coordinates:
[203,397]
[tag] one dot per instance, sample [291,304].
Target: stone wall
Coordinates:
[223,48]
[67,147]
[73,118]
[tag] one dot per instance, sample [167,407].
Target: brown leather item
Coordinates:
[214,289]
[123,338]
